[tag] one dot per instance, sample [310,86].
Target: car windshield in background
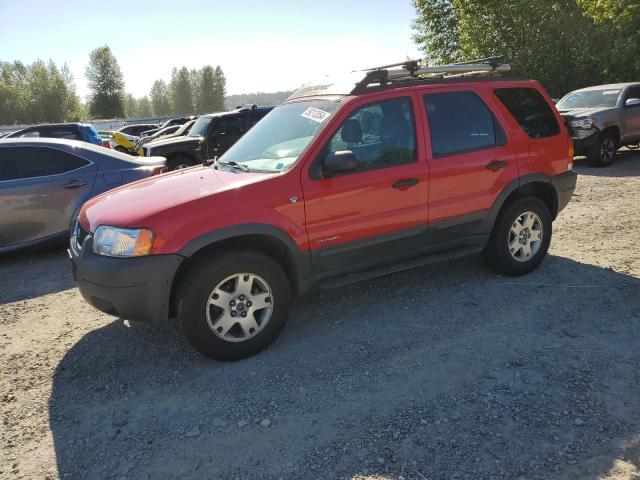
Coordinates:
[199,128]
[590,99]
[276,142]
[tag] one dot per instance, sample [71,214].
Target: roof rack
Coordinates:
[412,70]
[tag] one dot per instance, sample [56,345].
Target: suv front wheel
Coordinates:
[233,305]
[603,153]
[520,237]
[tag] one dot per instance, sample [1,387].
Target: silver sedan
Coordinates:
[44,182]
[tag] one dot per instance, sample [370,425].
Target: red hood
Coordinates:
[132,203]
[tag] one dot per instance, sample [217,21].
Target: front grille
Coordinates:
[80,234]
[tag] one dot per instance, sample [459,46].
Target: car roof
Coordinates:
[67,145]
[608,86]
[347,85]
[238,110]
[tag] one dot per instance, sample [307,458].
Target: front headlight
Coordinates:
[122,242]
[583,123]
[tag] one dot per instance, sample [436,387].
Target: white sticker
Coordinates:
[611,92]
[315,114]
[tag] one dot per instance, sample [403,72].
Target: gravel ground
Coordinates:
[445,372]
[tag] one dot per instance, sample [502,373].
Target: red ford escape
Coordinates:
[344,181]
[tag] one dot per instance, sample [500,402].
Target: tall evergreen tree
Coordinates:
[181,92]
[220,89]
[144,107]
[160,98]
[207,93]
[106,83]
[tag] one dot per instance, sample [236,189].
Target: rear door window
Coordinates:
[461,122]
[530,110]
[31,162]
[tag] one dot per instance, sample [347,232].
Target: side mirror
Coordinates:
[339,162]
[632,102]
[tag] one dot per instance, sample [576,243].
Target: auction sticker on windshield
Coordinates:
[315,114]
[611,92]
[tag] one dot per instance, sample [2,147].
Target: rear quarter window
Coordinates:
[530,110]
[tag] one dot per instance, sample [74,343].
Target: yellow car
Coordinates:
[123,143]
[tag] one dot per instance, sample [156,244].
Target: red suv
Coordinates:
[342,182]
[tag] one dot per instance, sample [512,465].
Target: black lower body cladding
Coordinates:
[565,184]
[133,288]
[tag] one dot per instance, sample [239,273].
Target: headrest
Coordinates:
[351,131]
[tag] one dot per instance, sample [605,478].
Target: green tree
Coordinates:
[144,107]
[181,92]
[544,42]
[220,89]
[160,98]
[130,106]
[206,100]
[106,84]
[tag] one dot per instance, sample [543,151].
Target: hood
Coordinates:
[174,141]
[582,112]
[131,204]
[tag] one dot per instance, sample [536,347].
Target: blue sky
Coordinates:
[261,45]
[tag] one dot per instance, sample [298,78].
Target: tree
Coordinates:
[220,89]
[130,106]
[544,42]
[181,92]
[106,84]
[144,107]
[206,100]
[160,98]
[74,110]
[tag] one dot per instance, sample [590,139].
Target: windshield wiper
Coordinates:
[230,163]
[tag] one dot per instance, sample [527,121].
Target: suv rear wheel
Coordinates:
[603,153]
[233,305]
[520,237]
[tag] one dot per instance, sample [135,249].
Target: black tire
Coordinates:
[198,285]
[497,254]
[178,163]
[603,153]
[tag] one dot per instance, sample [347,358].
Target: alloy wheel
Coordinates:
[525,236]
[239,307]
[607,150]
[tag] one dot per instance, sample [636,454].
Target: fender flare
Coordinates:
[301,261]
[514,185]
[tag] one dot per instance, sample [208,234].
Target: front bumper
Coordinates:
[137,288]
[565,184]
[584,141]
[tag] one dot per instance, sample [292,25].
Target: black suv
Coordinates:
[210,137]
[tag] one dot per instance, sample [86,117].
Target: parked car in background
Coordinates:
[123,143]
[70,131]
[169,123]
[209,137]
[341,182]
[43,183]
[137,129]
[602,119]
[180,130]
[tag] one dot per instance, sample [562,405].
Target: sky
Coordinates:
[261,45]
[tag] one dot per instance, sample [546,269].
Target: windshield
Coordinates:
[589,99]
[276,142]
[199,128]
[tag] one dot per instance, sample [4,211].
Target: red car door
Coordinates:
[470,160]
[379,208]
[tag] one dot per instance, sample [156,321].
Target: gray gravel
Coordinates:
[445,372]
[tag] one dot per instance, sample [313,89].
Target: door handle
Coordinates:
[406,183]
[74,184]
[496,165]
